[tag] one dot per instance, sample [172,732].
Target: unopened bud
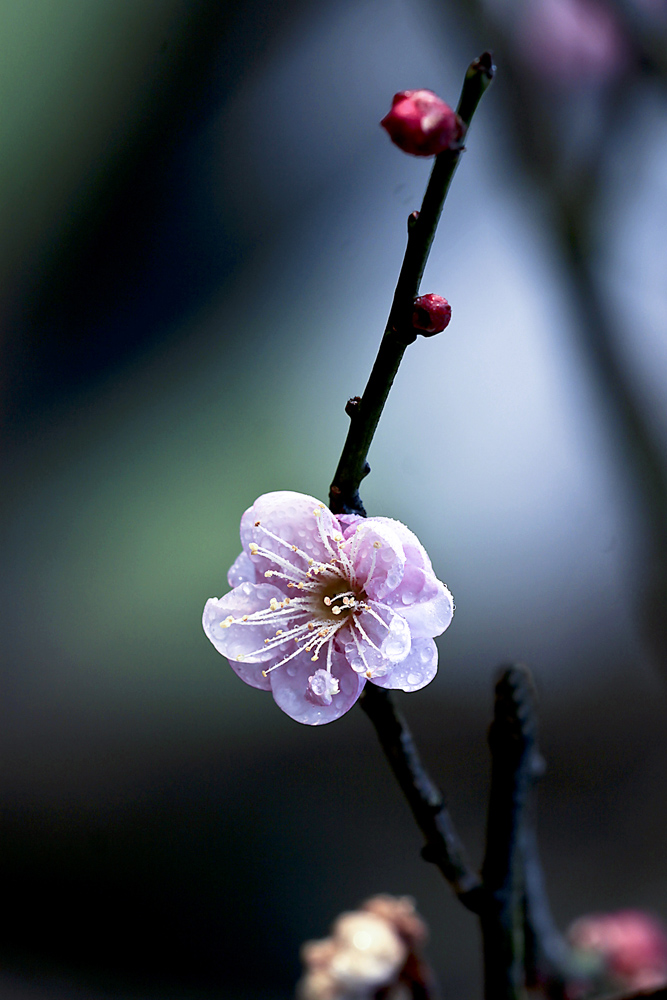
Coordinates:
[422,124]
[431,314]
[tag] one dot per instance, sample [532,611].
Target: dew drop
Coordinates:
[414,679]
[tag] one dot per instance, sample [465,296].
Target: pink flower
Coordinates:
[422,124]
[370,951]
[573,41]
[321,604]
[431,314]
[632,944]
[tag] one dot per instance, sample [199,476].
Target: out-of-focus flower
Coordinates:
[399,911]
[631,943]
[568,42]
[321,604]
[431,314]
[369,949]
[422,124]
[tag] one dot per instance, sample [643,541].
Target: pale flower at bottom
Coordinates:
[323,603]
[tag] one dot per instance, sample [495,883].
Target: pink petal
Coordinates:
[291,691]
[386,644]
[297,520]
[414,672]
[241,571]
[377,556]
[246,640]
[430,617]
[348,522]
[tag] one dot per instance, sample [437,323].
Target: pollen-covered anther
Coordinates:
[269,573]
[254,548]
[327,601]
[377,545]
[257,524]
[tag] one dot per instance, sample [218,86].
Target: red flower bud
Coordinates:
[422,124]
[431,314]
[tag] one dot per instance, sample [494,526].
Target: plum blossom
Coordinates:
[371,951]
[631,943]
[323,603]
[571,42]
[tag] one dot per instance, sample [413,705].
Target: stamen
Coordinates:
[281,541]
[376,616]
[368,640]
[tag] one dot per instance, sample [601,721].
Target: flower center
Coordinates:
[328,598]
[338,601]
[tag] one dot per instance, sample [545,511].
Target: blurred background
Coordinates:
[201,226]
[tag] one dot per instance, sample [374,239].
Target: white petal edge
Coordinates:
[414,672]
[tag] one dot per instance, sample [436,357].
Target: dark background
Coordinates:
[202,225]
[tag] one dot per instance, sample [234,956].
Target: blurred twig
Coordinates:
[512,738]
[571,181]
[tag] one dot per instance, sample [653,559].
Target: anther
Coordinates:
[257,523]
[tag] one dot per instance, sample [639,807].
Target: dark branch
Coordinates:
[443,846]
[512,740]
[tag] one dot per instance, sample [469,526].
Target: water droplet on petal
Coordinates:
[414,679]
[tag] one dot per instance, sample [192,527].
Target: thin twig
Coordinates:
[364,416]
[443,846]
